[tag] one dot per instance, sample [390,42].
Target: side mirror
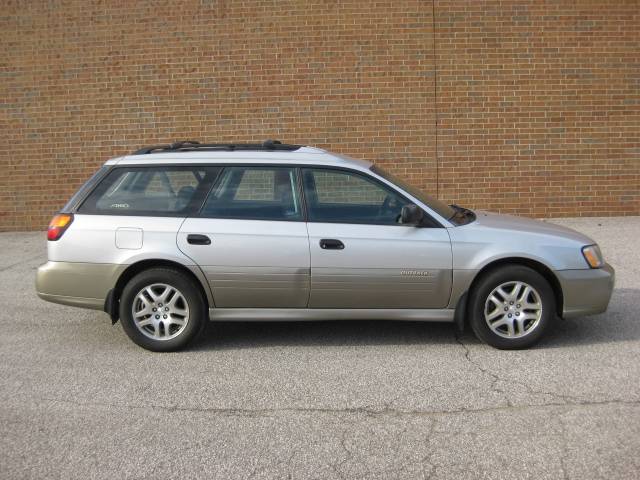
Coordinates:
[411,215]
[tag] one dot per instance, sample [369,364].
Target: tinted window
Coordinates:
[151,190]
[349,197]
[258,193]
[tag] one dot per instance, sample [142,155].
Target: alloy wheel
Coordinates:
[160,311]
[513,309]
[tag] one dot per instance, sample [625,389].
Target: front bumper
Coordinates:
[586,292]
[77,284]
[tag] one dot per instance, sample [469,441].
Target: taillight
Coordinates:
[58,225]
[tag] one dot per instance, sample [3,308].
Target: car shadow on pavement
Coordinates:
[616,325]
[239,335]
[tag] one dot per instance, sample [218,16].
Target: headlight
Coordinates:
[593,256]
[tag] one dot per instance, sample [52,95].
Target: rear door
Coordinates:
[250,239]
[361,256]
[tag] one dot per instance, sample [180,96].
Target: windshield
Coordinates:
[436,205]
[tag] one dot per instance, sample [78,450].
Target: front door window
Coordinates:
[338,196]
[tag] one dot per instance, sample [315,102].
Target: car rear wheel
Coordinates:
[162,309]
[512,307]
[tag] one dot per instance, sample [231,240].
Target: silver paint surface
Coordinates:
[251,263]
[367,273]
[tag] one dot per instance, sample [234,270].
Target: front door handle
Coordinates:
[331,244]
[197,239]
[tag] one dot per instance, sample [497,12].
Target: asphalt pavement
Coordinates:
[350,400]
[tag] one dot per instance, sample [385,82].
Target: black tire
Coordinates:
[197,309]
[488,283]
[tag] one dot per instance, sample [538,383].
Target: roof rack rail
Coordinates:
[192,145]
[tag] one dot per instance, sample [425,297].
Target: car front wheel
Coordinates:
[162,309]
[512,307]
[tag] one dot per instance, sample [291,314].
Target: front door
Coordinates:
[361,256]
[250,239]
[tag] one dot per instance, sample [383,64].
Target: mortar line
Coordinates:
[435,93]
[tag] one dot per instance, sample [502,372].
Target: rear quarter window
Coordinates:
[160,190]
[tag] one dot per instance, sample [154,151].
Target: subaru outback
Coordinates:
[174,235]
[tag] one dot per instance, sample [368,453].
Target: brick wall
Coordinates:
[539,106]
[524,107]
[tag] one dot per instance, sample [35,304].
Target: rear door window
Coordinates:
[158,190]
[255,193]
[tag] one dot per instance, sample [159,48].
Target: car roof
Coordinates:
[300,156]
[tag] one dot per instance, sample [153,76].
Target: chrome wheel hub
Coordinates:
[160,311]
[513,310]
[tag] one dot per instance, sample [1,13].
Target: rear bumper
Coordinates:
[586,292]
[84,285]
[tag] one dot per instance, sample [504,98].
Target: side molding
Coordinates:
[313,314]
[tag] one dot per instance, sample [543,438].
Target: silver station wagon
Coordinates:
[174,235]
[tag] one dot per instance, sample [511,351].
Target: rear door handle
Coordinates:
[331,244]
[197,239]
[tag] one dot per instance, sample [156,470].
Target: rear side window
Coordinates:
[84,189]
[255,193]
[168,190]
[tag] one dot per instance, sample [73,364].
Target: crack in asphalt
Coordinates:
[496,378]
[565,398]
[388,405]
[565,448]
[427,460]
[403,463]
[349,455]
[367,411]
